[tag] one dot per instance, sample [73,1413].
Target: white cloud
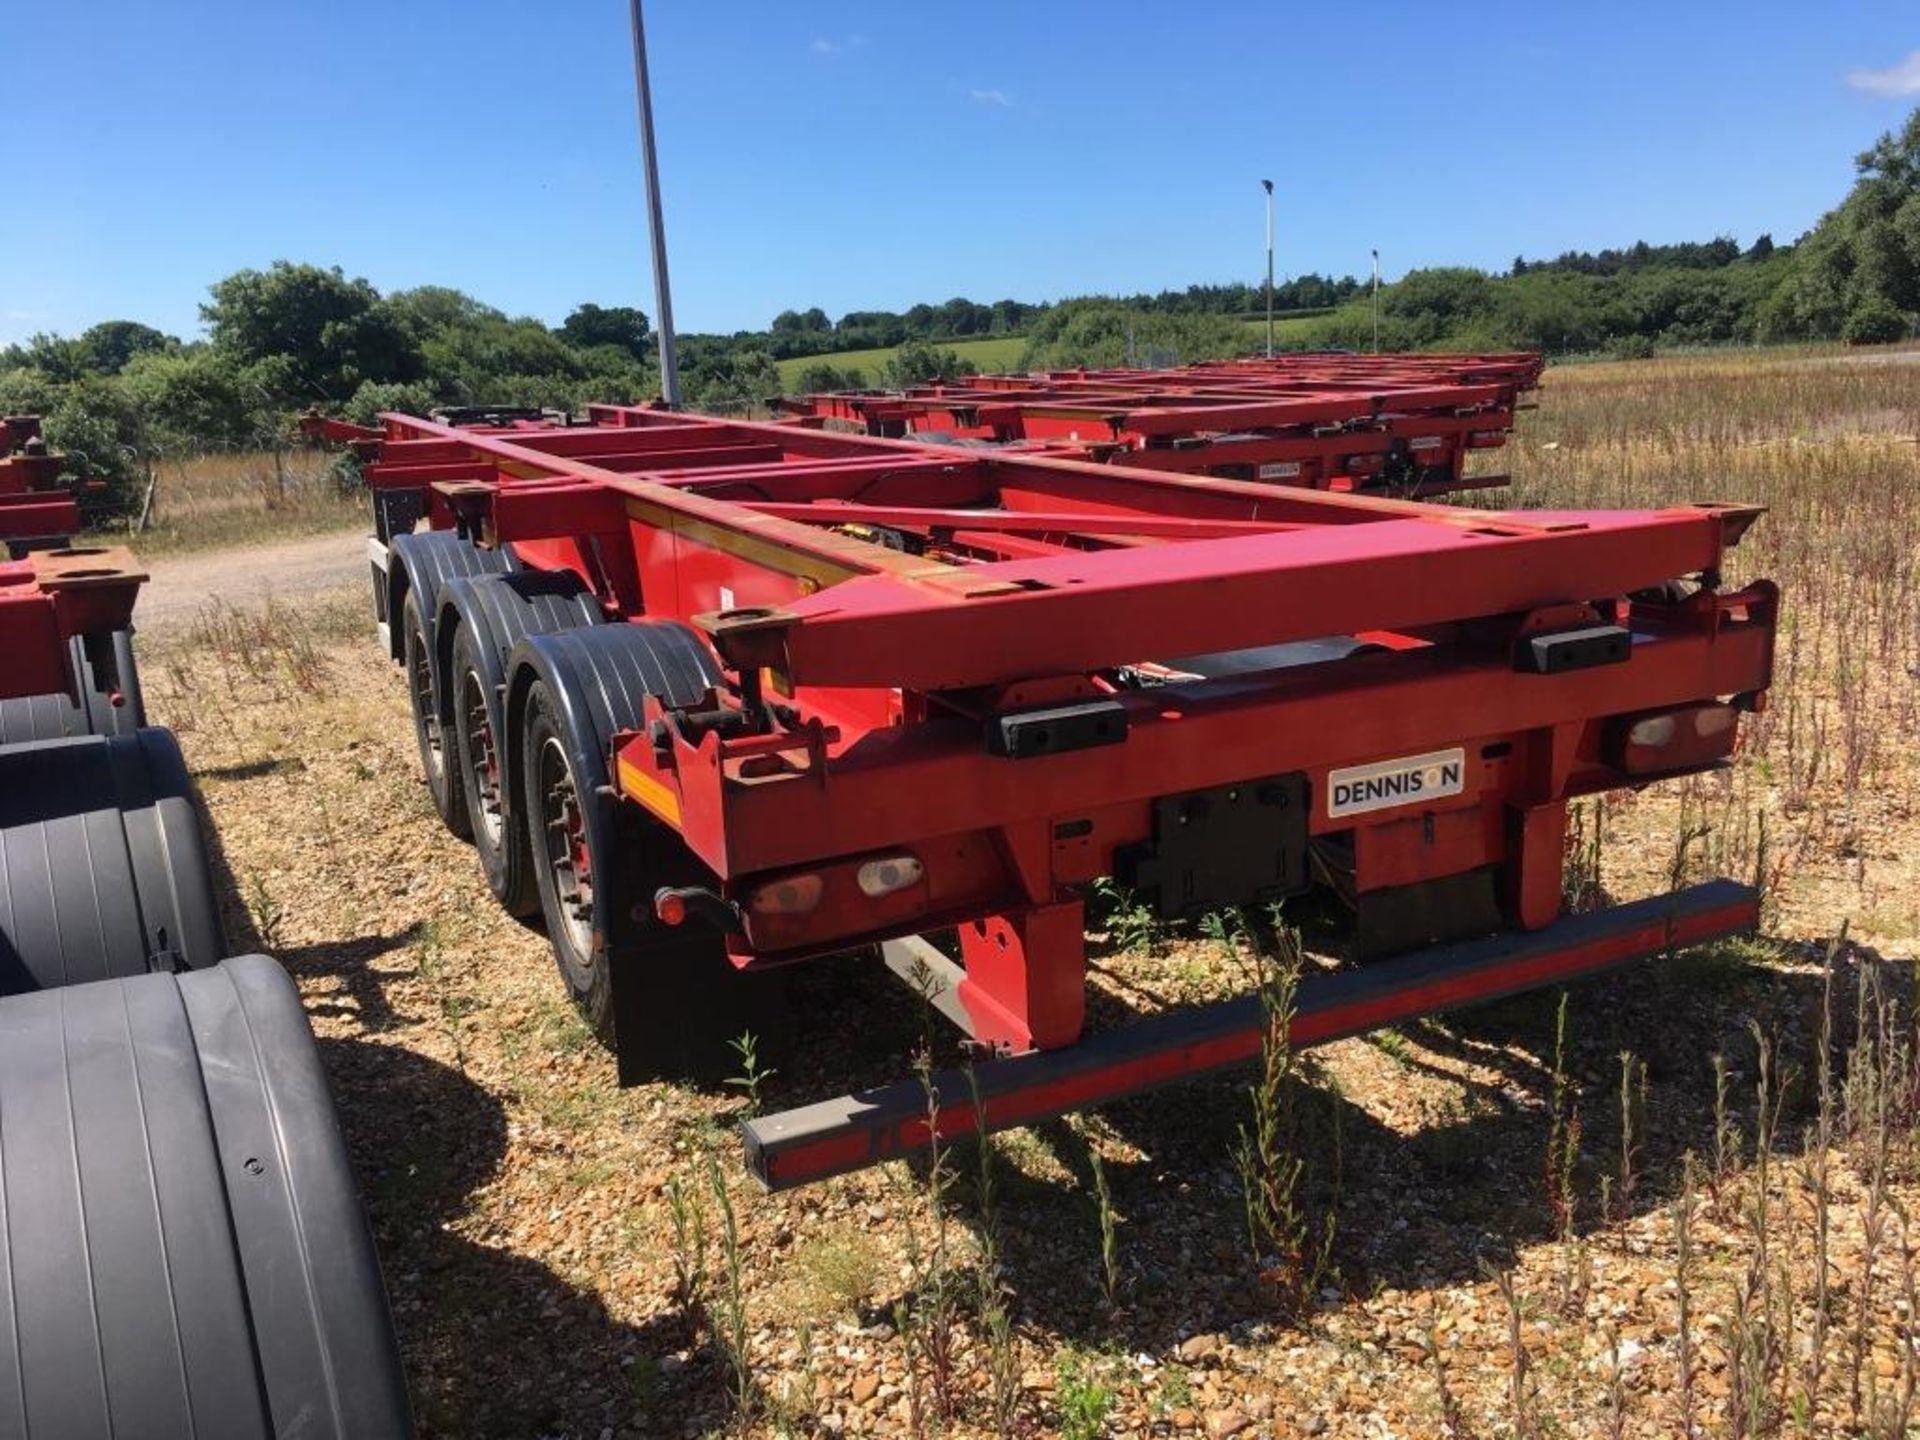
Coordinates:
[1900,79]
[828,45]
[991,97]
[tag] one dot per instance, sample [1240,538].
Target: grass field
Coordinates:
[1523,1244]
[997,353]
[1287,329]
[1002,353]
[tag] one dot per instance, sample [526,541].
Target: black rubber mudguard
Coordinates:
[500,611]
[55,717]
[601,677]
[421,563]
[183,1253]
[103,863]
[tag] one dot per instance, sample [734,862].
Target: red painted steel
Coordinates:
[49,596]
[31,505]
[905,602]
[1402,424]
[51,591]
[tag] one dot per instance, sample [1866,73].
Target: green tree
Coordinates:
[730,377]
[1862,261]
[58,358]
[335,333]
[104,437]
[593,325]
[112,343]
[1105,333]
[196,399]
[918,363]
[821,378]
[1873,322]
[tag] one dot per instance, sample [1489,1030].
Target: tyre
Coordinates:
[184,1253]
[445,784]
[665,998]
[499,835]
[103,867]
[569,867]
[481,619]
[55,717]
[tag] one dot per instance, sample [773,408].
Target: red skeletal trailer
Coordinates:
[718,696]
[1396,424]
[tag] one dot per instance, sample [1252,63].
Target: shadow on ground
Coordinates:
[1433,1200]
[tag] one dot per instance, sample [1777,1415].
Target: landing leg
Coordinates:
[1026,982]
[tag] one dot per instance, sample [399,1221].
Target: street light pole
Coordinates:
[1269,188]
[656,222]
[1376,302]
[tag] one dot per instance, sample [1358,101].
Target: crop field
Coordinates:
[1677,1203]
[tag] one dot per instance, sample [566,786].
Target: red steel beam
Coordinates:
[851,1132]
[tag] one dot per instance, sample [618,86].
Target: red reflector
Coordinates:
[671,908]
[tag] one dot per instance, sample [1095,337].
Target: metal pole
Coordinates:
[656,222]
[1269,188]
[1376,302]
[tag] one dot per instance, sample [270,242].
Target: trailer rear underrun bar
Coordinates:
[1398,424]
[715,697]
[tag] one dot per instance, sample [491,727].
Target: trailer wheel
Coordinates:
[55,717]
[676,998]
[184,1252]
[444,781]
[481,619]
[103,869]
[570,870]
[506,864]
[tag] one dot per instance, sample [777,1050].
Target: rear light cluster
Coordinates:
[1683,739]
[794,895]
[791,895]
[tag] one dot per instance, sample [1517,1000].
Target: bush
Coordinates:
[374,396]
[918,363]
[197,399]
[1102,334]
[820,378]
[1874,322]
[105,441]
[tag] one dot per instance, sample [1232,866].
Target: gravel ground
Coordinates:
[295,571]
[524,1205]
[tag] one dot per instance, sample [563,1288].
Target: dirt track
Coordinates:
[286,570]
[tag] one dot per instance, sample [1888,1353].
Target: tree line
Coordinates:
[294,336]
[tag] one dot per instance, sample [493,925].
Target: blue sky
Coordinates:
[873,155]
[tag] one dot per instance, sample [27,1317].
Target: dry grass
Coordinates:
[205,502]
[1830,444]
[1722,1249]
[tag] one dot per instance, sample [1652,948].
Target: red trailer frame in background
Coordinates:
[1396,424]
[34,510]
[51,591]
[1005,676]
